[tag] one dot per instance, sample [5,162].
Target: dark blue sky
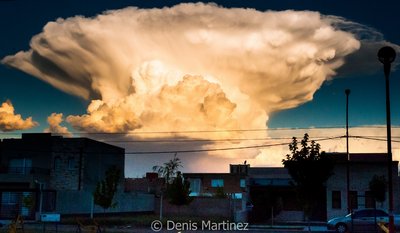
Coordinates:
[20,20]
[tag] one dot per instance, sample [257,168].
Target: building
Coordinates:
[272,195]
[208,184]
[267,193]
[152,183]
[271,190]
[363,167]
[46,173]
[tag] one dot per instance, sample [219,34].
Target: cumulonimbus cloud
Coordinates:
[54,121]
[9,121]
[193,66]
[133,62]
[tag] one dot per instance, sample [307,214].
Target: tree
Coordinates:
[377,186]
[169,169]
[178,191]
[220,192]
[106,189]
[309,170]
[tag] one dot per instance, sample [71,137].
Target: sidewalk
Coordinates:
[63,228]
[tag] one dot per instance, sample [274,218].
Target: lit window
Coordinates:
[237,195]
[242,183]
[217,183]
[195,187]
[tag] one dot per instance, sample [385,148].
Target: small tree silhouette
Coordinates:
[106,189]
[169,169]
[377,186]
[309,170]
[178,191]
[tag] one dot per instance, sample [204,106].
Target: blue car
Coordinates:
[360,220]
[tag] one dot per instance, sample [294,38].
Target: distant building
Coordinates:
[274,183]
[267,192]
[64,170]
[363,166]
[152,183]
[207,184]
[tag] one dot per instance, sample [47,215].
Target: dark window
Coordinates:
[336,200]
[57,163]
[369,200]
[353,200]
[71,163]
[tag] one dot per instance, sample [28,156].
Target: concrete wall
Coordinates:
[80,202]
[199,207]
[360,176]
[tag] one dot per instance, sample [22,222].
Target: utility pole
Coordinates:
[347,92]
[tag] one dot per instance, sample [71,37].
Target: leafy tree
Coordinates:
[178,191]
[309,170]
[28,201]
[169,169]
[106,189]
[377,186]
[220,192]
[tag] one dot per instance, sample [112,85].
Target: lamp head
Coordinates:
[386,55]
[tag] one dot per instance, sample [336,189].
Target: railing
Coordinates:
[24,170]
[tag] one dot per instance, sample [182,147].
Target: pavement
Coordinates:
[62,228]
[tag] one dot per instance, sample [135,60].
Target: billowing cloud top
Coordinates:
[9,121]
[54,121]
[191,66]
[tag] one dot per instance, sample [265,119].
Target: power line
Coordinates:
[211,131]
[222,149]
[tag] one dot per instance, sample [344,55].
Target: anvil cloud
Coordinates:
[193,67]
[188,67]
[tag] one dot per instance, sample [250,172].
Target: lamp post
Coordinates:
[347,92]
[386,56]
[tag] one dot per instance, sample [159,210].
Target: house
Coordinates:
[208,184]
[40,172]
[270,189]
[270,193]
[362,168]
[151,183]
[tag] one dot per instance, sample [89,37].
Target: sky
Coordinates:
[209,76]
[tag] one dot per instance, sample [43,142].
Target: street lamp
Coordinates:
[386,56]
[347,92]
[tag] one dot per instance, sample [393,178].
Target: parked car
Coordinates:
[361,218]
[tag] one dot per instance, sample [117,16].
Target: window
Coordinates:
[336,200]
[9,198]
[57,163]
[20,166]
[353,200]
[369,200]
[71,163]
[217,183]
[195,187]
[237,195]
[243,183]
